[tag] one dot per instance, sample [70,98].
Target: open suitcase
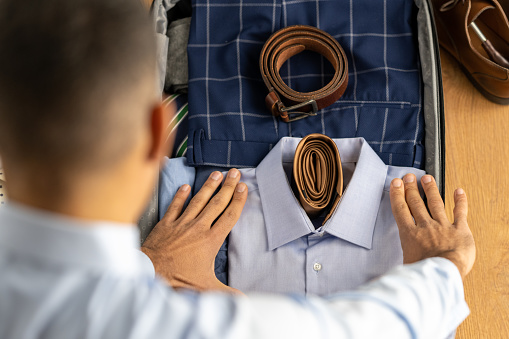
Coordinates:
[432,94]
[431,102]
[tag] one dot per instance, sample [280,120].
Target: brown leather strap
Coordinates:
[318,175]
[284,44]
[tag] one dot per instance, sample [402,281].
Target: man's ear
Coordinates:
[162,142]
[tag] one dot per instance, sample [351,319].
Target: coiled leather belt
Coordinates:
[318,175]
[284,44]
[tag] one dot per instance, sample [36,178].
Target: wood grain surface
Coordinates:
[477,159]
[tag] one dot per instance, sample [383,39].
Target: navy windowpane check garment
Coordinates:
[229,124]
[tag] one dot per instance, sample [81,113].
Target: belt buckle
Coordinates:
[300,115]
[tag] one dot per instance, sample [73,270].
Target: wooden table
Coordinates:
[477,159]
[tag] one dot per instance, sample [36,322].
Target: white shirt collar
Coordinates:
[354,218]
[67,241]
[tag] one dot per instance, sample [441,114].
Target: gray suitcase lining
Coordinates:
[433,94]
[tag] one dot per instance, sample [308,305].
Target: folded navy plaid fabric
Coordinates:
[229,124]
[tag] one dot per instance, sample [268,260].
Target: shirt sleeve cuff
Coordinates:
[146,264]
[461,311]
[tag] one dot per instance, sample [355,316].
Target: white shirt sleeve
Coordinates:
[85,282]
[145,263]
[422,300]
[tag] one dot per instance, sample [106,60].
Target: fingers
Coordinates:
[176,205]
[460,207]
[217,205]
[414,200]
[231,215]
[201,199]
[435,202]
[399,206]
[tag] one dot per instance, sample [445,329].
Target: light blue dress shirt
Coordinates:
[275,247]
[67,278]
[174,174]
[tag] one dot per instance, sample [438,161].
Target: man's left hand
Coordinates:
[183,247]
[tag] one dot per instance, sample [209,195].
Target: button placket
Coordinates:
[317,267]
[315,261]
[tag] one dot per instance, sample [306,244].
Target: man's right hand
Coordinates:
[423,235]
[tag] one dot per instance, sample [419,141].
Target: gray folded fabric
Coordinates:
[159,12]
[150,217]
[176,68]
[162,55]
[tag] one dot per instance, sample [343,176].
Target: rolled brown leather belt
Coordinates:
[284,44]
[318,175]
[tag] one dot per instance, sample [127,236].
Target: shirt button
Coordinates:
[317,266]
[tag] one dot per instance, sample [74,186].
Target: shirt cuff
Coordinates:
[146,264]
[450,268]
[461,311]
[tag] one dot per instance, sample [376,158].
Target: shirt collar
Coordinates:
[59,239]
[354,218]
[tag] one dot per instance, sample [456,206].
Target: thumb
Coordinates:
[460,207]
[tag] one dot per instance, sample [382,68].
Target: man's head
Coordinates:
[77,95]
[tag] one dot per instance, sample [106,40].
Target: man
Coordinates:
[81,138]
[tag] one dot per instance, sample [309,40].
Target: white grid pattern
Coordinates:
[384,129]
[209,130]
[246,41]
[255,115]
[285,18]
[352,54]
[386,76]
[232,5]
[381,35]
[322,66]
[391,142]
[274,16]
[337,36]
[240,80]
[229,153]
[385,53]
[420,110]
[308,75]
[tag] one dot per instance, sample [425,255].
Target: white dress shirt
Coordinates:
[67,278]
[275,247]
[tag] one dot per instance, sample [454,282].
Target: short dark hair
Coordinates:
[69,71]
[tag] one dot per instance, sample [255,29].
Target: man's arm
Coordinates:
[422,300]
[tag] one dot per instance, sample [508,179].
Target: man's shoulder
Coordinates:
[47,301]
